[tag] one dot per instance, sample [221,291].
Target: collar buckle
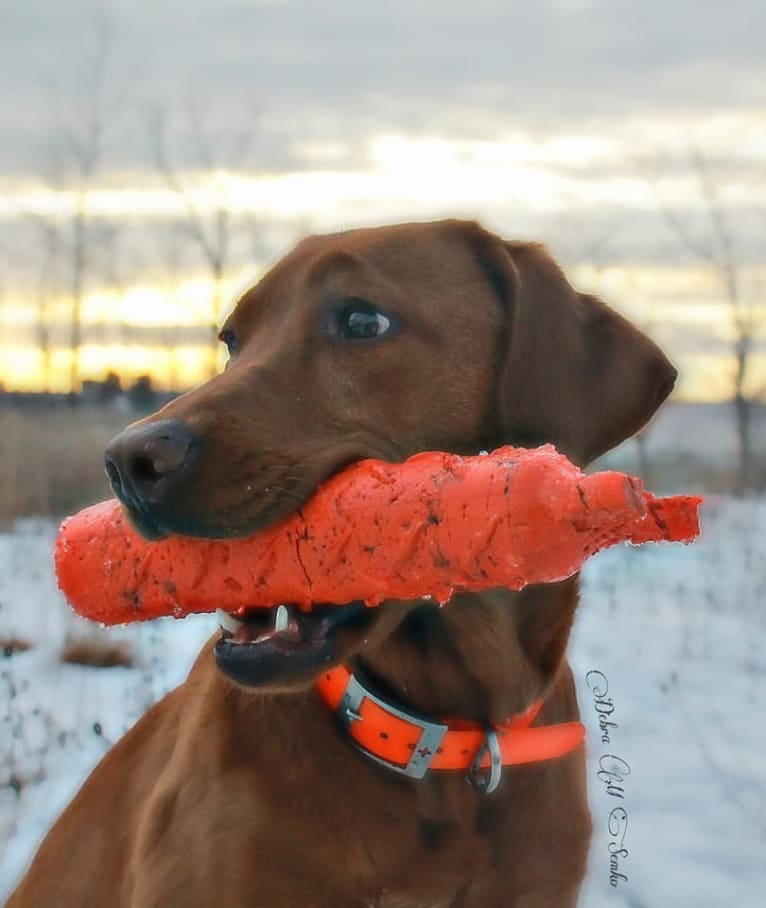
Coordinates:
[431,733]
[487,782]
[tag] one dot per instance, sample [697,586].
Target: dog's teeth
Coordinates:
[227,621]
[281,619]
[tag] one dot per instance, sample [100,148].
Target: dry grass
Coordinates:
[97,651]
[51,459]
[11,645]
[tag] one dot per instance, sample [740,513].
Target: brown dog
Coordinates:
[372,343]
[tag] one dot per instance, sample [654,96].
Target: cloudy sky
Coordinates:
[562,102]
[569,121]
[346,70]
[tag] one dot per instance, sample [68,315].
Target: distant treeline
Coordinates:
[138,396]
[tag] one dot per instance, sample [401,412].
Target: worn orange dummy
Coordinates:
[429,527]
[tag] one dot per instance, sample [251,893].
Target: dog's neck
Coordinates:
[482,658]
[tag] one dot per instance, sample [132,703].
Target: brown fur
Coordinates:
[234,797]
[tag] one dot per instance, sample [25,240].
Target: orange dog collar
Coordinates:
[413,745]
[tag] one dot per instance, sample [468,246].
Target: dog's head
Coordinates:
[380,343]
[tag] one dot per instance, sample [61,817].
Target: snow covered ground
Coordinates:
[677,634]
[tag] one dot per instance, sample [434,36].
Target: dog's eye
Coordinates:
[227,337]
[361,321]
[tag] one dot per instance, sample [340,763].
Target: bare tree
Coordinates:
[109,269]
[85,145]
[3,339]
[171,250]
[79,139]
[211,227]
[45,291]
[717,248]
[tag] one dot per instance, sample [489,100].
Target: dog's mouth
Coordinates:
[286,645]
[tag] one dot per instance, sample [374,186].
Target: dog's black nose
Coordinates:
[140,461]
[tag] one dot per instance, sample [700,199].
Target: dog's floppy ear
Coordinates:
[574,372]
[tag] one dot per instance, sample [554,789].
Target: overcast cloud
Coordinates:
[339,72]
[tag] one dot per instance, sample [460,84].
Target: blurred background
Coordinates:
[156,158]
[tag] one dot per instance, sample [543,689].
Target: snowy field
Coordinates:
[678,635]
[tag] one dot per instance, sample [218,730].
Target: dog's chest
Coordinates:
[444,893]
[397,900]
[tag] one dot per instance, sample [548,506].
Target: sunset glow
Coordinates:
[427,174]
[144,324]
[667,302]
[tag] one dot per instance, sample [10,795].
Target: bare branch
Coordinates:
[157,130]
[201,143]
[243,141]
[677,225]
[674,221]
[210,229]
[720,253]
[722,234]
